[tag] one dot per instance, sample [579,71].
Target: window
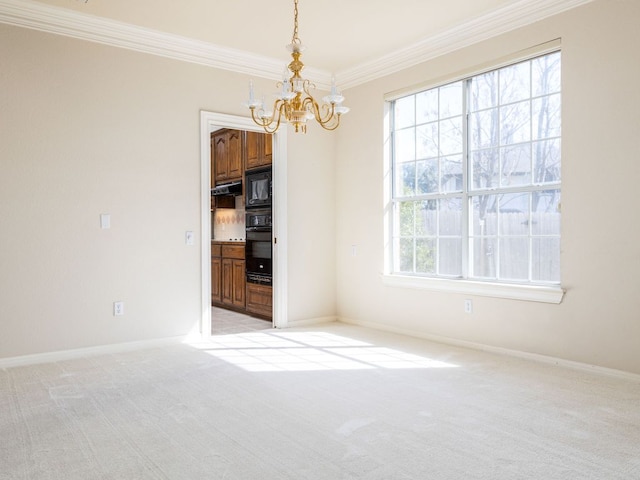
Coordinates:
[476,177]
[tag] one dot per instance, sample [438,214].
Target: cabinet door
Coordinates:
[227,281]
[216,280]
[267,146]
[259,150]
[238,283]
[260,299]
[220,158]
[234,155]
[213,163]
[253,151]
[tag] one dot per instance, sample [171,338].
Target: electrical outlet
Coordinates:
[468,305]
[118,309]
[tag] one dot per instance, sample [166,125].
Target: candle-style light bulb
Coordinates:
[264,113]
[251,94]
[334,97]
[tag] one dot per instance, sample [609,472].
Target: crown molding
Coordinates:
[46,18]
[60,21]
[29,14]
[499,21]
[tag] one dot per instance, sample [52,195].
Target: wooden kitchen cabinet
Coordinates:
[224,201]
[259,150]
[229,288]
[259,299]
[216,280]
[226,156]
[233,281]
[228,275]
[216,273]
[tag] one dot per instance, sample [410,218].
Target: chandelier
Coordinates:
[294,103]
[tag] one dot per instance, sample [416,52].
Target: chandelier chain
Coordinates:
[295,40]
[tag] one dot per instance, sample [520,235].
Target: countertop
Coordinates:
[232,242]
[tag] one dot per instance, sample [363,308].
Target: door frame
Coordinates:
[210,121]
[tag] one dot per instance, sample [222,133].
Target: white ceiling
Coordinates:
[356,39]
[337,33]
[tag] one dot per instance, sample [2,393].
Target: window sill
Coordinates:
[531,293]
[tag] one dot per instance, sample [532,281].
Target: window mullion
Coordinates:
[394,220]
[466,206]
[530,234]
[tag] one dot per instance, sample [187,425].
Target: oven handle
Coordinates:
[258,229]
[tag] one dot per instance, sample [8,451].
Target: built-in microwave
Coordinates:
[258,220]
[257,188]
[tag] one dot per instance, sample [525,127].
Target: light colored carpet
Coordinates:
[332,403]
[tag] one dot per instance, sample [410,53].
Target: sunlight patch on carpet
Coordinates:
[309,351]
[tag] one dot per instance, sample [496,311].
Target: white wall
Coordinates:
[599,320]
[311,224]
[87,129]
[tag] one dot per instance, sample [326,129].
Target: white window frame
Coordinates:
[518,291]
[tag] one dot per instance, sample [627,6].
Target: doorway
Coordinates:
[210,121]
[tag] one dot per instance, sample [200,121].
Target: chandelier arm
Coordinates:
[332,122]
[307,85]
[330,113]
[332,127]
[283,106]
[317,110]
[268,124]
[258,120]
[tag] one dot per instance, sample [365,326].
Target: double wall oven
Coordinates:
[259,248]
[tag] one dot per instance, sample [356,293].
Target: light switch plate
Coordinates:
[105,221]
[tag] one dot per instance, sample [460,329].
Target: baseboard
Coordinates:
[49,357]
[585,367]
[311,321]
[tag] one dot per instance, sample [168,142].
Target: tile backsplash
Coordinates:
[228,224]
